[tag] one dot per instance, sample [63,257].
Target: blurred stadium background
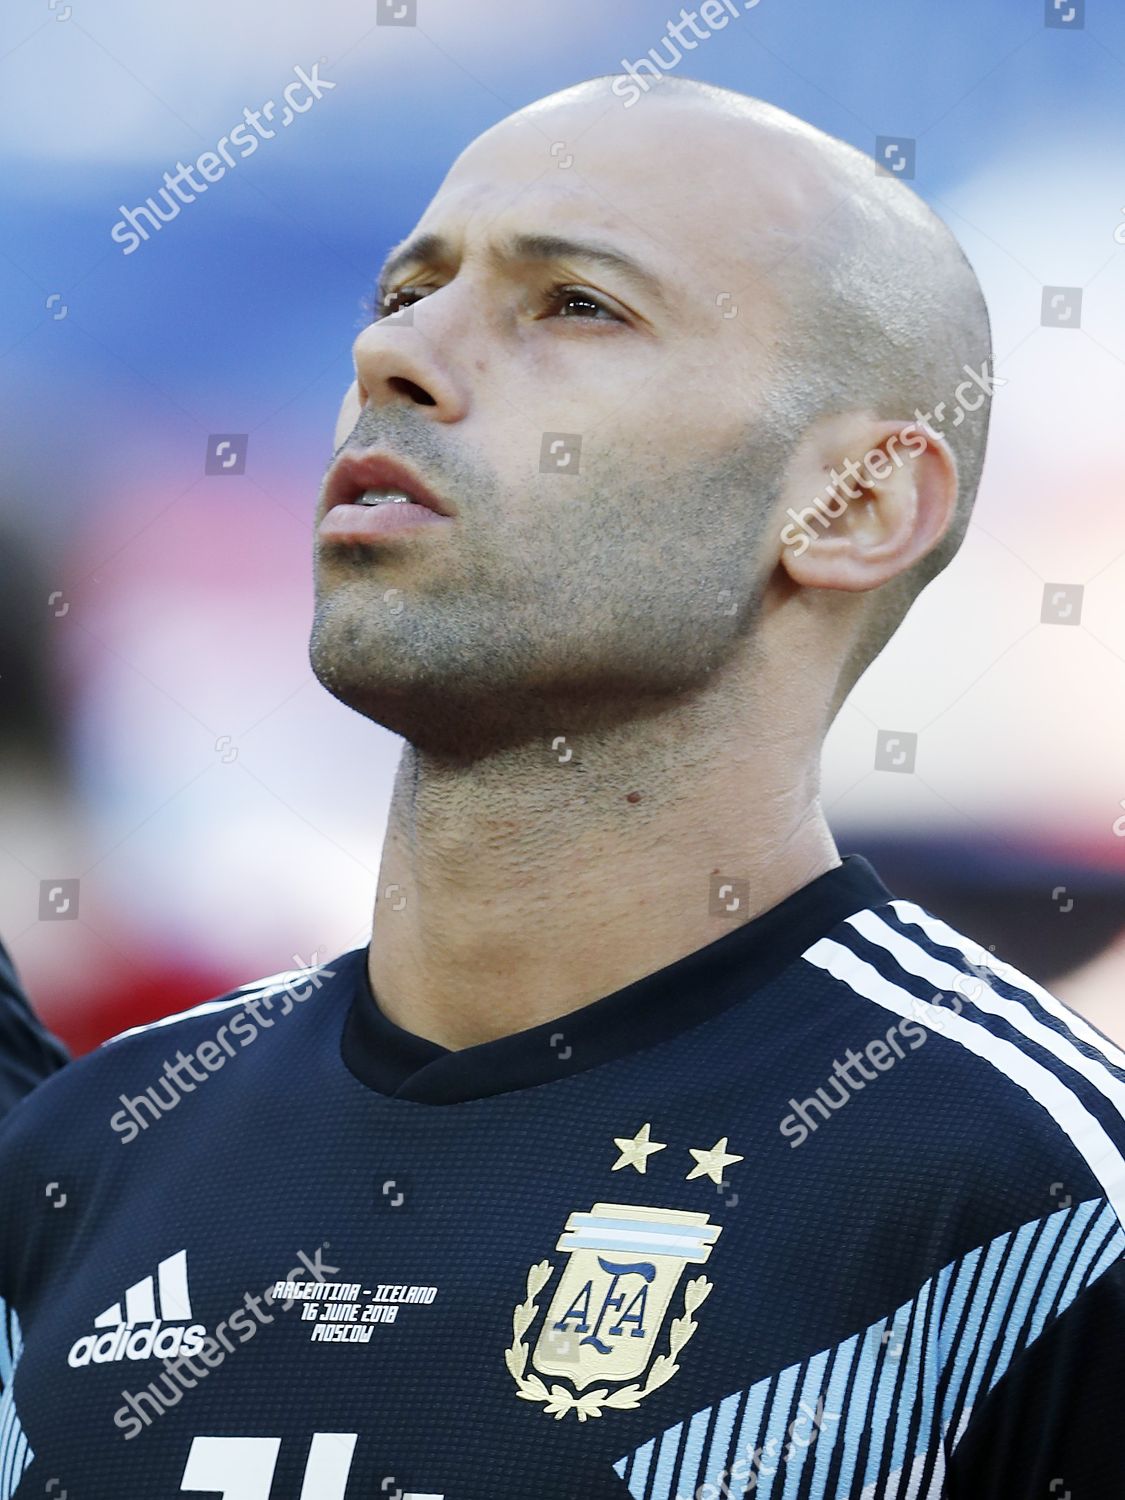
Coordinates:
[171,820]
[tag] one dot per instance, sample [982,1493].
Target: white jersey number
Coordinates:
[242,1468]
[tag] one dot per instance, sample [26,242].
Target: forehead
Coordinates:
[699,193]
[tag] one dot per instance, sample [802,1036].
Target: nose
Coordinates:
[397,363]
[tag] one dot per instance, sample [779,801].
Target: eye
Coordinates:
[392,303]
[553,299]
[561,296]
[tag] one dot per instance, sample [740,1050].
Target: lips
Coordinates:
[355,472]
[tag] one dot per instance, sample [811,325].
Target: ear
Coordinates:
[863,500]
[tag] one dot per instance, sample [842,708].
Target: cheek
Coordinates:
[349,414]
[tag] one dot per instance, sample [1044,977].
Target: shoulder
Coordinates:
[1002,1127]
[1014,1059]
[256,996]
[205,1035]
[61,1146]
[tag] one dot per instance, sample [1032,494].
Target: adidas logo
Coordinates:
[156,1323]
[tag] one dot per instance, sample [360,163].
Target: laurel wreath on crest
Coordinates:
[557,1400]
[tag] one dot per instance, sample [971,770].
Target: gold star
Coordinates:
[711,1163]
[635,1152]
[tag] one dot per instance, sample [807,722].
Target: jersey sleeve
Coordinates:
[1051,1426]
[28,1051]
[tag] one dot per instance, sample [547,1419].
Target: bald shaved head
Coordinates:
[747,305]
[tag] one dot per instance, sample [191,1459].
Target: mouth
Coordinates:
[375,479]
[372,496]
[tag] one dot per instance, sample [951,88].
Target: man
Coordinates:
[649,1148]
[30,757]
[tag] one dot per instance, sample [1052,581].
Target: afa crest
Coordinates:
[605,1319]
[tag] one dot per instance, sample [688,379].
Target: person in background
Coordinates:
[30,757]
[28,1051]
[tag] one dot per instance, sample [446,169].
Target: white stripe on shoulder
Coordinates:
[256,989]
[917,959]
[940,932]
[1041,1084]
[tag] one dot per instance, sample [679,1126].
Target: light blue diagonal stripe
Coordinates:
[693,1453]
[1051,1230]
[642,1459]
[1111,1253]
[911,1376]
[862,1392]
[812,1389]
[961,1285]
[927,1434]
[15,1451]
[1008,1282]
[19,1456]
[769,1463]
[833,1406]
[666,1462]
[724,1425]
[1095,1242]
[1059,1263]
[749,1432]
[1009,1298]
[901,1324]
[969,1334]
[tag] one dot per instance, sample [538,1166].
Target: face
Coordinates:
[603,434]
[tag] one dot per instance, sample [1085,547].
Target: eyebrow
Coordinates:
[435,249]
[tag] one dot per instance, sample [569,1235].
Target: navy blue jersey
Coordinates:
[831,1207]
[28,1051]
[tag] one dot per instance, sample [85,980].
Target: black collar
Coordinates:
[653,1008]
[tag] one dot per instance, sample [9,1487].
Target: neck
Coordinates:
[524,885]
